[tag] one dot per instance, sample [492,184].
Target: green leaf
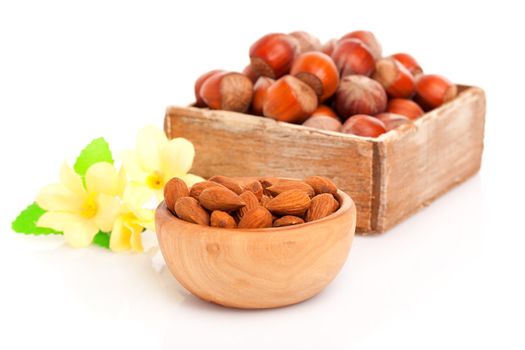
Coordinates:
[26,222]
[97,151]
[101,239]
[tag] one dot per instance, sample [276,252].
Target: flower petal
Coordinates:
[132,167]
[57,197]
[102,178]
[108,208]
[122,181]
[136,238]
[57,220]
[71,180]
[150,141]
[120,236]
[177,158]
[191,179]
[81,233]
[136,195]
[145,218]
[126,235]
[135,198]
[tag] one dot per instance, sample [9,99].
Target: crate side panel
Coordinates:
[425,160]
[234,144]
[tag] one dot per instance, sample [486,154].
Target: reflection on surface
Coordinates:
[388,279]
[113,284]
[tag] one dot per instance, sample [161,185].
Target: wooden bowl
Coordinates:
[257,268]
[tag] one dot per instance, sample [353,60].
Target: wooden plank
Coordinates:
[235,144]
[418,163]
[389,177]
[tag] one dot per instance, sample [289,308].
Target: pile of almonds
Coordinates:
[345,85]
[224,202]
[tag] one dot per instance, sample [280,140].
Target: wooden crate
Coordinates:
[389,177]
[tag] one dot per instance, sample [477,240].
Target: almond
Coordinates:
[286,185]
[264,200]
[321,184]
[227,182]
[287,221]
[197,189]
[256,188]
[188,209]
[322,205]
[256,218]
[220,198]
[222,219]
[251,202]
[291,202]
[269,181]
[174,189]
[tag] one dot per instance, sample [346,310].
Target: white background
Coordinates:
[452,276]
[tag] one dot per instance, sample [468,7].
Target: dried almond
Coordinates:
[174,189]
[189,209]
[286,185]
[264,200]
[288,220]
[197,188]
[255,187]
[268,181]
[245,180]
[258,217]
[251,202]
[222,219]
[322,205]
[227,182]
[220,198]
[321,184]
[291,202]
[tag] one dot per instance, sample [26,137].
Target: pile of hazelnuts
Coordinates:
[345,85]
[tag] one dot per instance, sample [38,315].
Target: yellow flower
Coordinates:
[106,202]
[156,160]
[132,220]
[81,211]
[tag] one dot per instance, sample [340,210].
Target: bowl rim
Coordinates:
[346,203]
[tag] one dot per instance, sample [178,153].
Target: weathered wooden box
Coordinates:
[389,177]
